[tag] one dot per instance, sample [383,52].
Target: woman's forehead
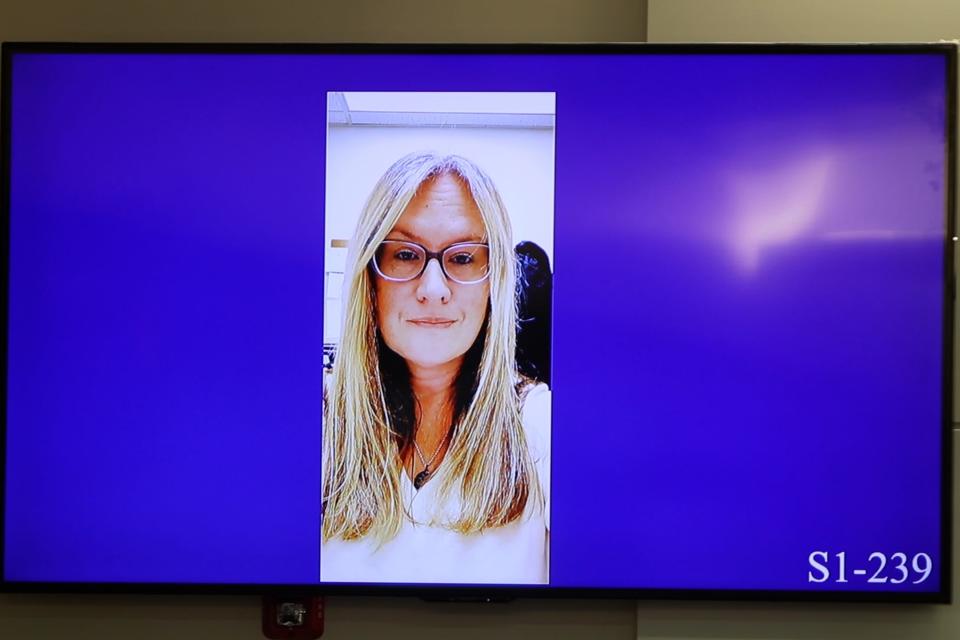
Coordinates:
[441,213]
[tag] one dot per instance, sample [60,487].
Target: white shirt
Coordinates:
[517,553]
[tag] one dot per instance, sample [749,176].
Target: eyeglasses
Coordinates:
[402,261]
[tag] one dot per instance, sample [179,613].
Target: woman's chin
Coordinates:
[431,358]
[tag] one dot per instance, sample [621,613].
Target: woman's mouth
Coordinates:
[432,322]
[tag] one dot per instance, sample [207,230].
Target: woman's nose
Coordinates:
[433,284]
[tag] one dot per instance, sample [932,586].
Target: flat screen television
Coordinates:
[464,321]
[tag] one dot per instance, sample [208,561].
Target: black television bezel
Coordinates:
[490,592]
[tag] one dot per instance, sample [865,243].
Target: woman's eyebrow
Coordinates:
[408,235]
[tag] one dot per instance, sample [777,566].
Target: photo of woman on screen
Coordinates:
[435,448]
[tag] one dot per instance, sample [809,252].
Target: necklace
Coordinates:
[424,475]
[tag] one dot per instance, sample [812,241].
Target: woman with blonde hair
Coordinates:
[435,449]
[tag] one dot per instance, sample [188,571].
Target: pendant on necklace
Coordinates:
[421,478]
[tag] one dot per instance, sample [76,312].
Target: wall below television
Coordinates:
[105,617]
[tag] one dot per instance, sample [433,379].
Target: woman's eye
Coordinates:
[461,258]
[406,255]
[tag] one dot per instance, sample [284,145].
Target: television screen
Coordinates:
[479,320]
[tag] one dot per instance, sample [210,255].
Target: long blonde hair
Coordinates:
[488,459]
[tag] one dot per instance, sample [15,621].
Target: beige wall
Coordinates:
[238,618]
[323,20]
[802,20]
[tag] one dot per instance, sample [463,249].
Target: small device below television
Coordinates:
[479,321]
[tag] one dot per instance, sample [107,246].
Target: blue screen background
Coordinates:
[729,394]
